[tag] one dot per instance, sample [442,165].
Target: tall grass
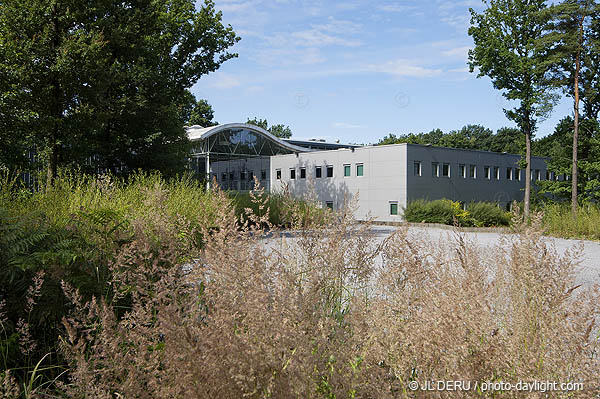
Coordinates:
[559,221]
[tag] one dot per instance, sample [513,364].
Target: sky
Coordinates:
[355,70]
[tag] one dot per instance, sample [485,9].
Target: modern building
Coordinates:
[384,178]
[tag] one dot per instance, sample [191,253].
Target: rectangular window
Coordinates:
[329,204]
[538,174]
[303,173]
[435,169]
[347,169]
[292,173]
[446,170]
[318,172]
[472,171]
[278,174]
[263,174]
[250,176]
[517,173]
[232,177]
[224,176]
[462,169]
[243,175]
[486,172]
[417,168]
[547,175]
[393,208]
[360,170]
[329,171]
[509,173]
[496,173]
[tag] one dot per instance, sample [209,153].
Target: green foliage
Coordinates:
[72,233]
[103,86]
[281,131]
[449,212]
[559,221]
[197,112]
[472,137]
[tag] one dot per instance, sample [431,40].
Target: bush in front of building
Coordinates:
[444,211]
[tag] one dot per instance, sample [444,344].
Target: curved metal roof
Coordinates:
[199,133]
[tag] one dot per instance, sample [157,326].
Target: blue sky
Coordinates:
[355,70]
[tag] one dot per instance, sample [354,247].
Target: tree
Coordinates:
[564,44]
[197,112]
[505,36]
[102,84]
[281,131]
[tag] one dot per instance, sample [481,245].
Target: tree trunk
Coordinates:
[574,193]
[55,111]
[527,172]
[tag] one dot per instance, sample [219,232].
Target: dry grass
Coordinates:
[318,317]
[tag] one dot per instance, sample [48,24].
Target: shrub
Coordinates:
[439,211]
[487,214]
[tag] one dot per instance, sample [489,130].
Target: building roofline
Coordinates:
[197,133]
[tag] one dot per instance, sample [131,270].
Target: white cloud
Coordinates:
[222,80]
[461,52]
[344,125]
[395,8]
[406,68]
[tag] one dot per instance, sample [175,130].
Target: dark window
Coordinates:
[496,173]
[329,171]
[393,208]
[462,169]
[446,170]
[224,176]
[417,168]
[231,176]
[278,174]
[509,173]
[435,169]
[243,175]
[472,171]
[329,204]
[518,173]
[303,173]
[263,174]
[318,172]
[292,174]
[486,172]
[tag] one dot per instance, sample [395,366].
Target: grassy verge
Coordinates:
[478,214]
[559,221]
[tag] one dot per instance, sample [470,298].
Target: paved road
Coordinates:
[589,270]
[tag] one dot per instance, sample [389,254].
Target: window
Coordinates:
[496,173]
[486,172]
[435,169]
[538,174]
[347,170]
[509,173]
[224,176]
[231,176]
[263,174]
[517,173]
[292,173]
[250,176]
[417,168]
[472,171]
[394,208]
[446,170]
[462,169]
[278,174]
[303,173]
[243,175]
[548,175]
[360,170]
[329,171]
[318,172]
[329,204]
